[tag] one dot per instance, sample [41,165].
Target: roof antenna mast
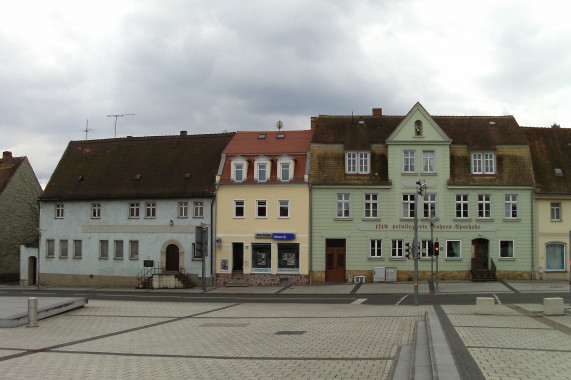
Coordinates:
[116,116]
[87,130]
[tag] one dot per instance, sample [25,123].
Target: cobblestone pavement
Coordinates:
[517,342]
[146,340]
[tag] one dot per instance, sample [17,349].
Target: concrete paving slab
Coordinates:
[14,310]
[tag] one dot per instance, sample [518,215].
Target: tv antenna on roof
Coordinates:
[86,130]
[116,116]
[279,125]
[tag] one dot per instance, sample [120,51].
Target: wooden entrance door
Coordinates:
[335,260]
[172,258]
[480,249]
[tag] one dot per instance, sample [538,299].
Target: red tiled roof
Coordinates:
[8,167]
[250,143]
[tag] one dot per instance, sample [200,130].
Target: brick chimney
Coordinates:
[7,154]
[377,112]
[183,133]
[556,126]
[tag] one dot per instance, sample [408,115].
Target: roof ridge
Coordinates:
[159,137]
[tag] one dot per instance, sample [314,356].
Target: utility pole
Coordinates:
[116,116]
[420,189]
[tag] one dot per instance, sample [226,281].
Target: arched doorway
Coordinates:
[480,253]
[172,258]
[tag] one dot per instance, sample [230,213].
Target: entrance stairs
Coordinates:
[237,279]
[429,357]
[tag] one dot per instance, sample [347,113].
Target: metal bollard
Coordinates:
[32,312]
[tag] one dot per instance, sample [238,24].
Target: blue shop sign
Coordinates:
[283,236]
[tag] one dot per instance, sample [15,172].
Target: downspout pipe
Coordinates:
[533,233]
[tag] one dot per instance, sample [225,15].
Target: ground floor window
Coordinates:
[288,257]
[103,249]
[261,258]
[453,249]
[63,247]
[376,248]
[77,248]
[555,256]
[396,249]
[506,249]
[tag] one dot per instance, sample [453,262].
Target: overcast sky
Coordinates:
[213,66]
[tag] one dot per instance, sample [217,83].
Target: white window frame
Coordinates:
[397,249]
[96,211]
[259,163]
[371,206]
[459,257]
[429,205]
[59,210]
[183,209]
[77,249]
[511,206]
[63,248]
[133,250]
[343,206]
[428,161]
[408,203]
[512,257]
[240,204]
[423,253]
[198,209]
[283,204]
[351,162]
[261,204]
[150,210]
[484,206]
[409,161]
[462,206]
[281,166]
[555,210]
[483,163]
[376,248]
[241,163]
[134,210]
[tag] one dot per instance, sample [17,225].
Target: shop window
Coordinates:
[288,257]
[261,258]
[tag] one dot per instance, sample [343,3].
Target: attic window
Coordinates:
[280,136]
[187,175]
[492,122]
[418,128]
[361,122]
[80,178]
[138,176]
[558,172]
[261,136]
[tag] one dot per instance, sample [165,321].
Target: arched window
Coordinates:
[418,128]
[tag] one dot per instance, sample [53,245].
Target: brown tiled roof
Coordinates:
[108,169]
[8,166]
[250,143]
[359,132]
[550,149]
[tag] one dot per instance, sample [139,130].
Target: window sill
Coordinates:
[409,173]
[77,257]
[63,257]
[556,220]
[555,271]
[484,220]
[371,219]
[197,217]
[104,258]
[398,259]
[453,258]
[430,173]
[512,220]
[462,219]
[50,257]
[286,271]
[343,219]
[376,258]
[133,258]
[506,258]
[118,258]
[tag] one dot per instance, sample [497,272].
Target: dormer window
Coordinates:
[484,163]
[262,169]
[558,172]
[239,169]
[285,168]
[418,128]
[357,163]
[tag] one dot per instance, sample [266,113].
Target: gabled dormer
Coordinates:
[262,168]
[418,127]
[239,168]
[286,166]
